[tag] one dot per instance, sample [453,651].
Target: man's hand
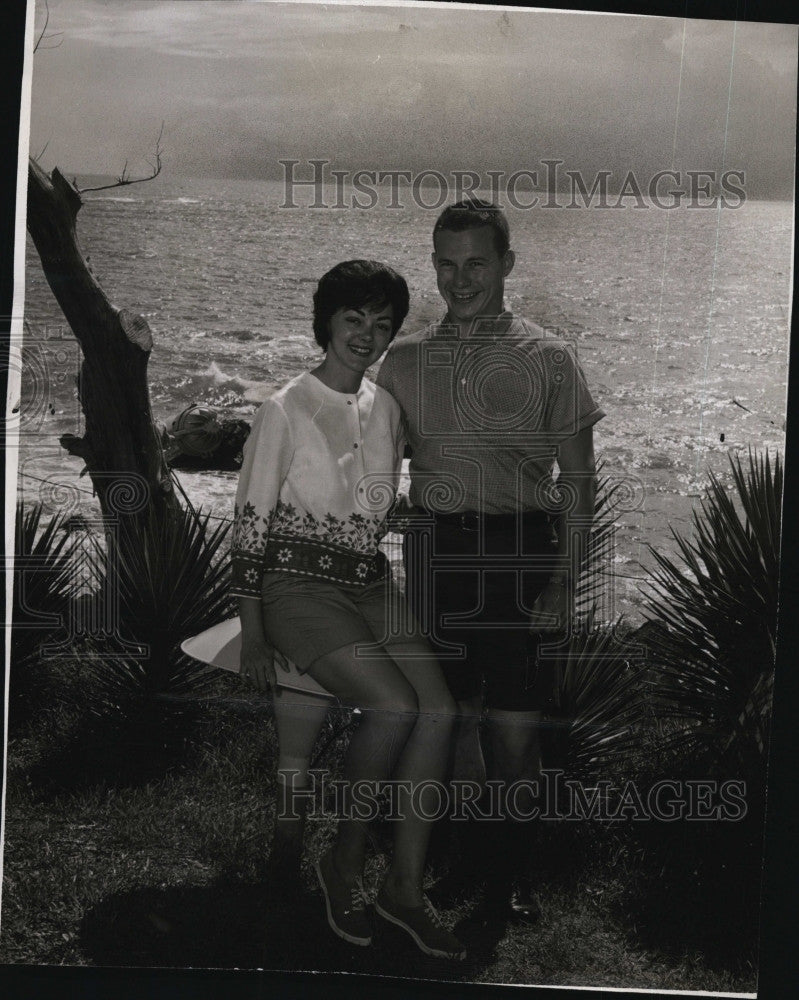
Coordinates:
[400,516]
[553,611]
[258,664]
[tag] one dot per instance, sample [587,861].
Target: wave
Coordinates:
[251,390]
[219,377]
[242,335]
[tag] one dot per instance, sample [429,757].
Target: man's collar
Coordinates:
[482,326]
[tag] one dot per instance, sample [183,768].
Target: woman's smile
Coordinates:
[358,337]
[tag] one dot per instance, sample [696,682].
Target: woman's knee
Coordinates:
[398,700]
[371,683]
[440,708]
[423,673]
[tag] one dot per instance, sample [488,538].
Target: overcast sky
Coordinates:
[242,85]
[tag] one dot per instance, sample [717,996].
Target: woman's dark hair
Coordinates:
[353,284]
[473,213]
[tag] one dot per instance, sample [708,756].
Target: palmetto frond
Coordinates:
[169,578]
[597,686]
[44,579]
[599,708]
[718,609]
[596,569]
[46,582]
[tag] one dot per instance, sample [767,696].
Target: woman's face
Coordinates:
[358,337]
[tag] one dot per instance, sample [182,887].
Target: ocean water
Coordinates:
[680,320]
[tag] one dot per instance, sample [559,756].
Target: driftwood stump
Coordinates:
[121,445]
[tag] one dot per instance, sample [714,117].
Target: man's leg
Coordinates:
[515,740]
[517,691]
[519,687]
[466,759]
[466,775]
[515,748]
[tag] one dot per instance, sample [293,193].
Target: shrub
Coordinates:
[169,578]
[717,611]
[45,585]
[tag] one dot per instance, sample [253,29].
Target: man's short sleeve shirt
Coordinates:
[485,413]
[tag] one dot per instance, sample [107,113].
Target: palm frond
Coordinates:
[45,581]
[596,569]
[717,603]
[598,699]
[169,578]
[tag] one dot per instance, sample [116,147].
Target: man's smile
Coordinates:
[471,273]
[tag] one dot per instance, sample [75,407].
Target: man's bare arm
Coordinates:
[577,477]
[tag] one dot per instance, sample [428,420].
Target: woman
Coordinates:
[320,472]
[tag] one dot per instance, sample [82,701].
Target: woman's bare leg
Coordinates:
[298,720]
[422,766]
[389,707]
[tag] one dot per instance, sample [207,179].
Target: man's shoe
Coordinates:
[523,903]
[424,926]
[345,903]
[511,900]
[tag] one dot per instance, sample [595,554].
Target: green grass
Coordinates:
[172,870]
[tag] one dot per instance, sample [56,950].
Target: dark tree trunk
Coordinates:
[121,446]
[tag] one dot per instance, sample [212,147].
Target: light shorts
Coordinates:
[305,617]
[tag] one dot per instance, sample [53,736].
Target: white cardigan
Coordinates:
[320,473]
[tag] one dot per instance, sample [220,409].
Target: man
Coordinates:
[491,403]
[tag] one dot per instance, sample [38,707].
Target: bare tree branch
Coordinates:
[123,178]
[60,36]
[43,33]
[44,29]
[121,443]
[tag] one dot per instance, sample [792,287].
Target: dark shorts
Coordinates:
[471,583]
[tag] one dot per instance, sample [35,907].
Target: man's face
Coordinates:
[471,274]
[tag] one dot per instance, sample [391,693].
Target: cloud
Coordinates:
[412,87]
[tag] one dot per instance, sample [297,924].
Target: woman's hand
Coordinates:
[552,611]
[257,663]
[258,656]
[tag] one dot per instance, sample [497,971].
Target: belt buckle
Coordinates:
[470,520]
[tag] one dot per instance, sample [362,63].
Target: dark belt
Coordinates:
[471,520]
